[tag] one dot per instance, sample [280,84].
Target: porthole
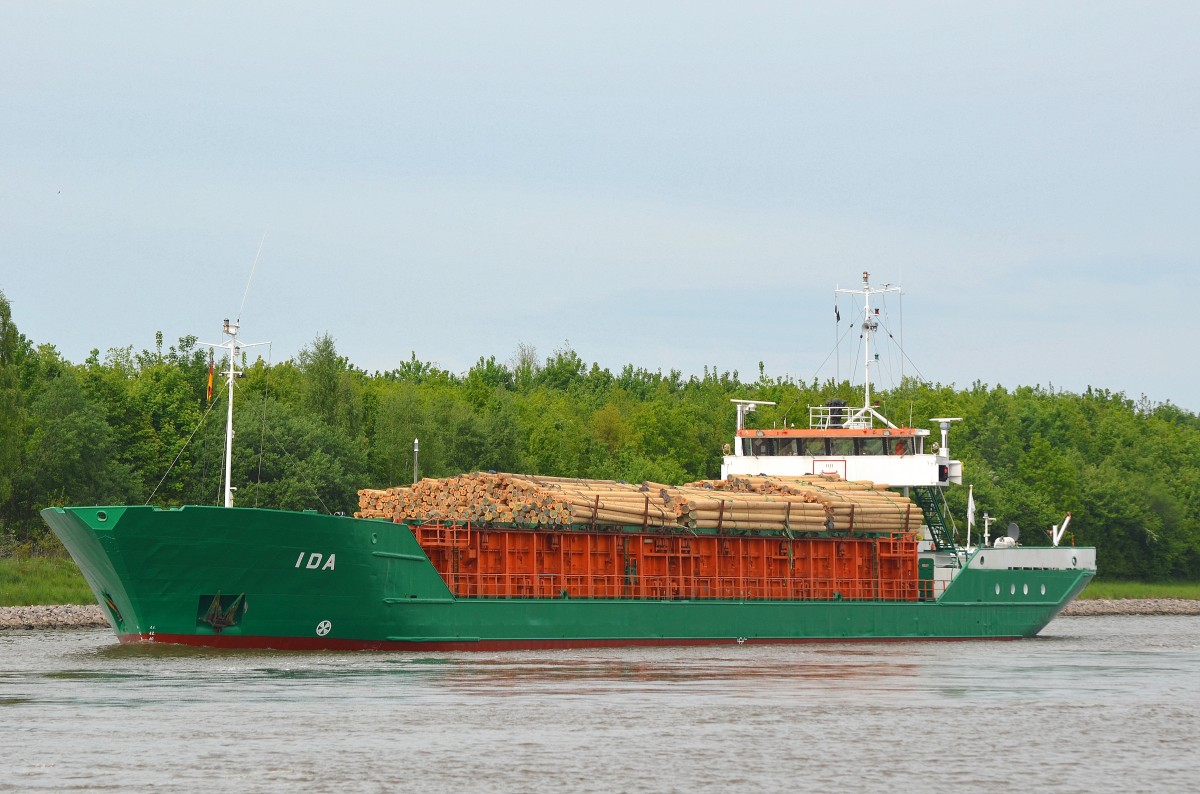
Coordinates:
[102,516]
[1025,589]
[1043,589]
[1012,589]
[997,588]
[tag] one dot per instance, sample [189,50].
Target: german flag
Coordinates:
[210,375]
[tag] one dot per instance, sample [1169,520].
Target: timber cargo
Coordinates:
[834,531]
[803,503]
[519,536]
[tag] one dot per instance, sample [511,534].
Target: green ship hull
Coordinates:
[254,578]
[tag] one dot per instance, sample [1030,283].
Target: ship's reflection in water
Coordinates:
[573,672]
[692,671]
[1095,704]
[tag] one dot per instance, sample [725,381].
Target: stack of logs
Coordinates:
[814,503]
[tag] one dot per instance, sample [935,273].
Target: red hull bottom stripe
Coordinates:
[329,644]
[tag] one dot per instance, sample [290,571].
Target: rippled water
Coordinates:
[1092,704]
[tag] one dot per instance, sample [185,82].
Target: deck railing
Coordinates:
[488,562]
[665,588]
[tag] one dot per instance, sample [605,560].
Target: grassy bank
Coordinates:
[30,581]
[1117,589]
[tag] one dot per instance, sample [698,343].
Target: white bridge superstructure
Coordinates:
[897,457]
[860,443]
[855,443]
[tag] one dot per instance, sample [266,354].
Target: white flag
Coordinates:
[971,507]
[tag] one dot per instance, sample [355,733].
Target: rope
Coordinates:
[836,348]
[306,481]
[181,449]
[262,435]
[904,355]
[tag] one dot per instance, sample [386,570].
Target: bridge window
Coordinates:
[761,446]
[841,447]
[813,447]
[871,446]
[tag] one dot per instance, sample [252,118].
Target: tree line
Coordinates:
[132,427]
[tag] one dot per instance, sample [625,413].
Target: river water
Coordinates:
[1094,703]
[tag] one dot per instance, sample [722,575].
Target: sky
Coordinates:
[668,185]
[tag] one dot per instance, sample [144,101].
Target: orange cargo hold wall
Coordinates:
[485,562]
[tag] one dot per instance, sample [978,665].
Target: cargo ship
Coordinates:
[835,531]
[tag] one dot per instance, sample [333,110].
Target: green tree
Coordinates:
[295,462]
[399,420]
[313,430]
[561,369]
[524,367]
[68,456]
[328,386]
[11,411]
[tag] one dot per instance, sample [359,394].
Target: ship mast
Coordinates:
[231,330]
[234,348]
[870,325]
